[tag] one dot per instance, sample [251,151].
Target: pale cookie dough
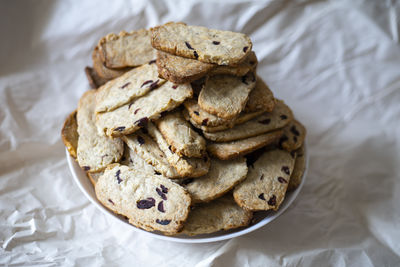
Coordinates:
[150,202]
[69,134]
[260,98]
[207,45]
[299,168]
[94,151]
[266,182]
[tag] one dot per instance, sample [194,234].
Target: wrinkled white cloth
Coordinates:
[336,63]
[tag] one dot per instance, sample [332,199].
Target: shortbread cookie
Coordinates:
[221,178]
[134,161]
[130,86]
[298,171]
[293,136]
[266,182]
[69,134]
[183,140]
[151,202]
[130,117]
[127,49]
[278,118]
[220,214]
[193,167]
[225,95]
[94,151]
[101,70]
[95,81]
[249,64]
[94,176]
[203,44]
[146,148]
[260,98]
[241,147]
[202,117]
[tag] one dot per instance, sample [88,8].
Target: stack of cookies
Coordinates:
[180,135]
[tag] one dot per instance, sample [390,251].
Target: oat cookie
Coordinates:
[151,202]
[101,70]
[130,86]
[260,98]
[249,64]
[278,118]
[207,45]
[220,214]
[127,49]
[95,81]
[134,161]
[266,182]
[298,171]
[130,117]
[202,117]
[69,134]
[225,95]
[193,167]
[94,151]
[293,136]
[233,149]
[221,178]
[183,140]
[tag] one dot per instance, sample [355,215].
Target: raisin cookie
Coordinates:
[260,98]
[69,134]
[293,136]
[298,171]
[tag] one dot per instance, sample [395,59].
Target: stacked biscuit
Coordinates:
[181,135]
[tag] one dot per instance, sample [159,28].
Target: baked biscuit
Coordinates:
[293,136]
[69,134]
[298,171]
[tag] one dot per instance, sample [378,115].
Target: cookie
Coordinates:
[146,148]
[128,87]
[221,178]
[248,65]
[266,182]
[202,117]
[225,95]
[278,118]
[95,81]
[229,150]
[134,161]
[69,134]
[94,176]
[220,214]
[130,117]
[101,70]
[127,49]
[183,140]
[293,136]
[260,98]
[150,202]
[94,151]
[298,171]
[193,167]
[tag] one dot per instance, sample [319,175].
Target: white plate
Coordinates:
[261,218]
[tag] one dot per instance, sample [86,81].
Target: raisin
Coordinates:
[293,153]
[188,46]
[187,181]
[286,170]
[295,139]
[266,121]
[282,140]
[261,196]
[197,113]
[120,129]
[252,62]
[140,140]
[282,180]
[86,168]
[262,177]
[146,203]
[136,111]
[119,180]
[129,106]
[144,130]
[245,48]
[283,117]
[174,86]
[216,42]
[146,82]
[161,194]
[109,200]
[294,131]
[164,189]
[125,85]
[169,147]
[142,122]
[272,201]
[204,122]
[152,61]
[154,85]
[160,206]
[163,222]
[244,80]
[157,173]
[196,56]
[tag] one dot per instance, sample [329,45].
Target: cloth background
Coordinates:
[336,63]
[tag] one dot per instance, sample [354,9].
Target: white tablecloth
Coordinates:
[336,63]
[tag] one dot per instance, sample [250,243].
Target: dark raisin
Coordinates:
[163,222]
[187,181]
[136,111]
[294,131]
[109,200]
[160,206]
[197,113]
[119,180]
[244,80]
[152,61]
[125,85]
[261,196]
[154,85]
[266,121]
[129,106]
[293,153]
[245,48]
[262,177]
[196,56]
[146,203]
[286,170]
[216,42]
[295,139]
[140,140]
[252,62]
[144,130]
[169,147]
[120,129]
[282,180]
[142,122]
[283,117]
[86,168]
[123,158]
[161,194]
[188,46]
[174,86]
[272,201]
[146,82]
[164,189]
[282,140]
[204,122]
[157,173]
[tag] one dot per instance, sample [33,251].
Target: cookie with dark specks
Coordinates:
[298,171]
[260,98]
[69,134]
[95,81]
[206,45]
[134,161]
[293,136]
[151,202]
[103,71]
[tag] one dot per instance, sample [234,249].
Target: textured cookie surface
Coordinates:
[249,64]
[103,71]
[278,118]
[293,136]
[128,87]
[134,161]
[221,178]
[260,98]
[207,45]
[178,133]
[202,117]
[220,214]
[130,117]
[225,95]
[69,134]
[127,49]
[229,150]
[95,81]
[298,171]
[94,151]
[151,202]
[266,182]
